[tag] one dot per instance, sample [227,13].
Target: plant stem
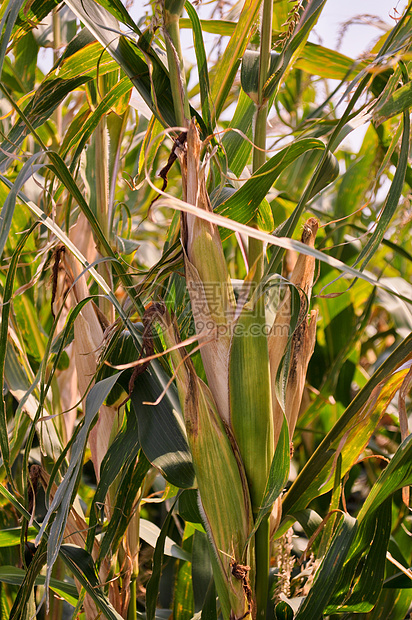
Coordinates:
[132,609]
[56,46]
[102,177]
[102,201]
[256,257]
[259,155]
[262,549]
[171,17]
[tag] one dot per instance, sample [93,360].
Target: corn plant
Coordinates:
[205,323]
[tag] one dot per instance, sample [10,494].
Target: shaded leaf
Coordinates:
[314,604]
[150,533]
[161,429]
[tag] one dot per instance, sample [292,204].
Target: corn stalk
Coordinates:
[230,425]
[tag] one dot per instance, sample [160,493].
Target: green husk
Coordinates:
[224,495]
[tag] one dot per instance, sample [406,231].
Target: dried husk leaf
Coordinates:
[88,338]
[76,533]
[303,340]
[207,277]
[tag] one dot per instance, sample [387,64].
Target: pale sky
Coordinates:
[334,14]
[357,37]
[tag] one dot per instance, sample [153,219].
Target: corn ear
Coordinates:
[303,340]
[224,494]
[250,398]
[207,278]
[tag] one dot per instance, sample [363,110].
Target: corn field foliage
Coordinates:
[205,345]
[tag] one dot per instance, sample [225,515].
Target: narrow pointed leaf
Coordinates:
[229,63]
[315,603]
[243,205]
[278,475]
[5,313]
[152,587]
[317,469]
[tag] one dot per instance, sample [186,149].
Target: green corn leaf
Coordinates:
[9,18]
[60,505]
[327,63]
[396,475]
[26,50]
[78,561]
[237,147]
[24,602]
[5,313]
[121,453]
[317,470]
[249,75]
[83,57]
[202,575]
[152,81]
[152,587]
[309,520]
[365,584]
[47,98]
[60,169]
[394,602]
[399,101]
[105,28]
[82,39]
[118,10]
[264,215]
[188,506]
[283,611]
[328,172]
[133,477]
[278,475]
[121,89]
[229,63]
[309,17]
[183,603]
[152,141]
[7,211]
[315,603]
[81,564]
[30,16]
[242,206]
[10,537]
[392,199]
[201,61]
[209,611]
[357,179]
[14,576]
[215,26]
[150,533]
[121,349]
